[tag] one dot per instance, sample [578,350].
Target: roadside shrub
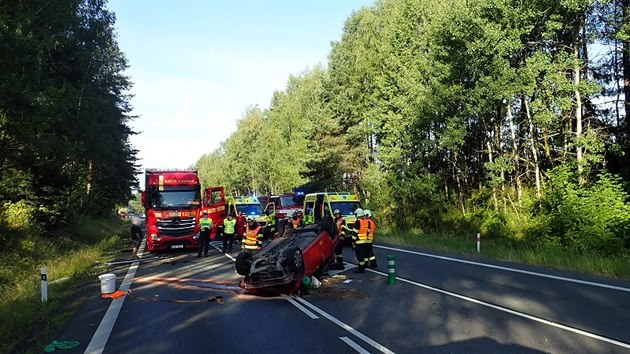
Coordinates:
[593,218]
[18,215]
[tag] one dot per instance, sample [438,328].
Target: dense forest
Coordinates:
[506,116]
[64,114]
[503,116]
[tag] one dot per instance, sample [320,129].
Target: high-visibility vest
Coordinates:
[252,239]
[371,228]
[229,226]
[362,235]
[340,226]
[295,222]
[205,224]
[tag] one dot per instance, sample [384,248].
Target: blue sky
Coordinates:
[198,65]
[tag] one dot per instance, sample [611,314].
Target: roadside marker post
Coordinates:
[44,282]
[391,270]
[478,242]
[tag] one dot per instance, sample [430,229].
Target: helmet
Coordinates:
[336,211]
[205,212]
[289,214]
[250,218]
[367,213]
[359,212]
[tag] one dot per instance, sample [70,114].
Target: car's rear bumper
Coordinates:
[286,284]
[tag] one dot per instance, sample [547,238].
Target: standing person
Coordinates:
[205,228]
[340,223]
[295,220]
[252,241]
[360,239]
[229,228]
[240,227]
[370,239]
[136,237]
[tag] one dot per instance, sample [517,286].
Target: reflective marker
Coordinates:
[391,270]
[44,281]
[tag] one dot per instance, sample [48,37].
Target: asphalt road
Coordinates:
[439,304]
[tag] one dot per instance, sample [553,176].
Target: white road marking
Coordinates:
[104,330]
[601,285]
[354,345]
[218,245]
[300,307]
[516,313]
[345,326]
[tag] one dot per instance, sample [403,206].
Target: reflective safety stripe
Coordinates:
[251,237]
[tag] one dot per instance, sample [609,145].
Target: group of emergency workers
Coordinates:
[233,229]
[250,234]
[362,233]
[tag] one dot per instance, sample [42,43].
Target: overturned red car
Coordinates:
[281,264]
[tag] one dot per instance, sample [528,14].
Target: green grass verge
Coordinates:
[74,257]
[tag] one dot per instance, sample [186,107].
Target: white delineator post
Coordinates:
[44,281]
[478,242]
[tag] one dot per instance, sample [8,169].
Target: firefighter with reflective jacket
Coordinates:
[340,223]
[229,229]
[295,219]
[205,228]
[252,240]
[361,226]
[370,239]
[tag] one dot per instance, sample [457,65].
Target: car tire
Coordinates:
[243,263]
[295,262]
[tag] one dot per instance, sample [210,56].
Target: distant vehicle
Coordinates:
[250,207]
[280,265]
[318,205]
[172,202]
[279,205]
[323,204]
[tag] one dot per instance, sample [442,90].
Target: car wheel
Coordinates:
[295,262]
[243,263]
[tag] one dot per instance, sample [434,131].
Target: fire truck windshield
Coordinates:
[175,199]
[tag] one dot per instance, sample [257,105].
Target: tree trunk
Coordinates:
[625,11]
[533,147]
[515,157]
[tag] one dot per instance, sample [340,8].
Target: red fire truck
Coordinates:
[172,202]
[279,205]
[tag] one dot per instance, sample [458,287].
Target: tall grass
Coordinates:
[73,256]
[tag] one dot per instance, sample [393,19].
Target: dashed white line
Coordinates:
[354,345]
[358,334]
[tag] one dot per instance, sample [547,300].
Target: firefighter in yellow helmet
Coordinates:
[370,239]
[360,233]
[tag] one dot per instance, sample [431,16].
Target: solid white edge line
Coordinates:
[213,244]
[300,307]
[354,345]
[516,313]
[601,285]
[101,336]
[346,327]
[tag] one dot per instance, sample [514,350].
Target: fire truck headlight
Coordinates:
[196,236]
[155,238]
